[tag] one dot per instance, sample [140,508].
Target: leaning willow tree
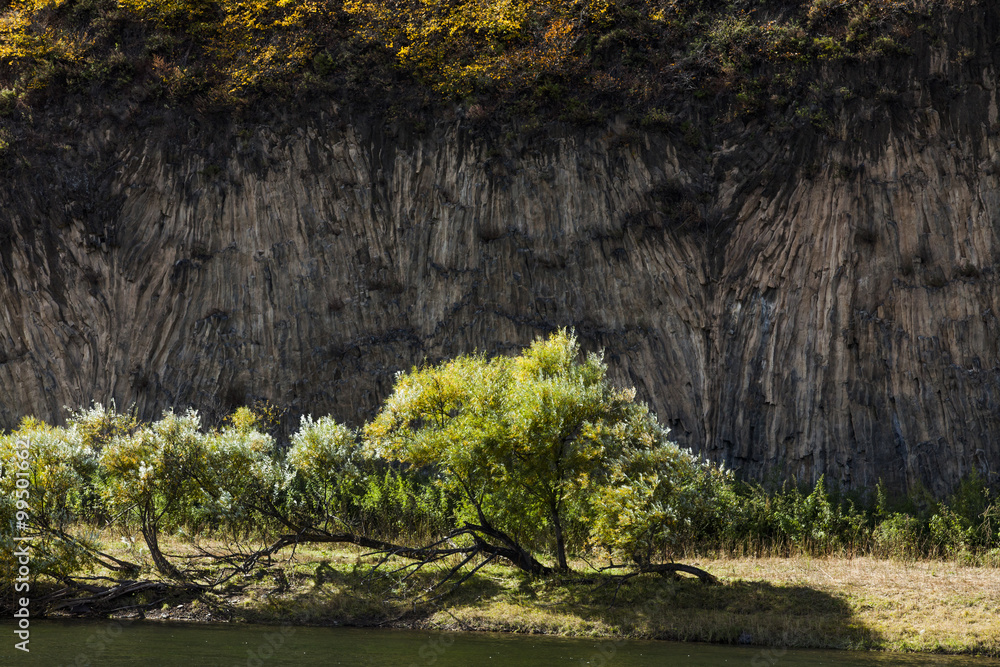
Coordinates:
[548,458]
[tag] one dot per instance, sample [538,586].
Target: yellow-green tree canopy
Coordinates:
[541,444]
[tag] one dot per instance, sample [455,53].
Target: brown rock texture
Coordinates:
[790,299]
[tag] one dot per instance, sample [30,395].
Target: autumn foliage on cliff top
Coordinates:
[576,57]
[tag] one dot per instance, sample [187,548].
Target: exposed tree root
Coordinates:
[101,598]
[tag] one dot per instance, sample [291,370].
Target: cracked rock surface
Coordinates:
[787,298]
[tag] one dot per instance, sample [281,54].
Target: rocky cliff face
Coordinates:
[809,300]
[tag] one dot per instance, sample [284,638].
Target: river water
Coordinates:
[149,644]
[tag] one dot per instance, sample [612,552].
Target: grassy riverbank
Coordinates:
[798,602]
[491,501]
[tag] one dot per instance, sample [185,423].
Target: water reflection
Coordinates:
[113,643]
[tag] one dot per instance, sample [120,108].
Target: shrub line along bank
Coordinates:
[530,460]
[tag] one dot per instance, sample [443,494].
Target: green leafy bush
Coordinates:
[537,452]
[541,447]
[899,536]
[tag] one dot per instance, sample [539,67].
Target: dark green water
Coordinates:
[96,644]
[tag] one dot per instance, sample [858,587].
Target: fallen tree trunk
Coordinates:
[663,568]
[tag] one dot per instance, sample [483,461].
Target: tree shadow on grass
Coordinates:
[654,607]
[737,612]
[325,594]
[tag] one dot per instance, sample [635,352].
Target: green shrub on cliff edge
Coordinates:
[617,56]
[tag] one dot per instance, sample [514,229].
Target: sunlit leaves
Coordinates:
[459,46]
[150,462]
[541,442]
[230,52]
[236,472]
[61,462]
[44,473]
[652,496]
[324,451]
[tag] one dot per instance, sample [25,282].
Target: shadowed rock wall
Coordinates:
[790,298]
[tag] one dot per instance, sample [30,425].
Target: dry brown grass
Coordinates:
[909,606]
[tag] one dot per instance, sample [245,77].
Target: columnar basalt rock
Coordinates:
[793,299]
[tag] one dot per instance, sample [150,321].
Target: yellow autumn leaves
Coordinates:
[238,45]
[236,51]
[458,47]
